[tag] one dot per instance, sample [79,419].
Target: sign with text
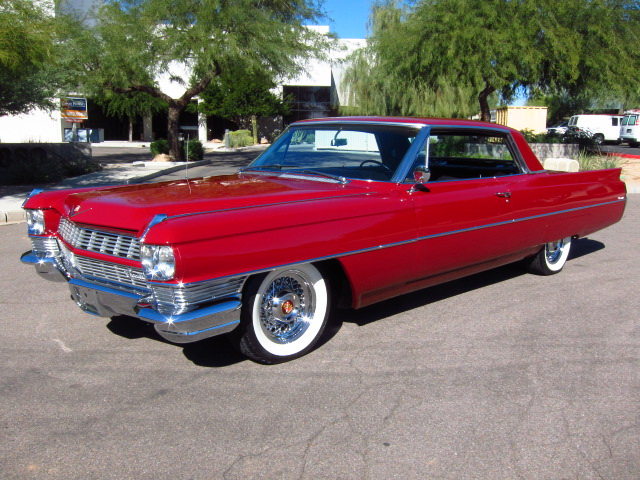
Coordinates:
[74,110]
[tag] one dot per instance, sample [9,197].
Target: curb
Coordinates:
[159,173]
[8,218]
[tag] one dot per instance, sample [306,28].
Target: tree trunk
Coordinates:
[173,133]
[130,129]
[483,98]
[176,106]
[254,127]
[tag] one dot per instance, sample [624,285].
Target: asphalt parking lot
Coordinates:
[502,375]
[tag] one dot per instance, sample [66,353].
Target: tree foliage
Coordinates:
[134,43]
[464,49]
[241,97]
[28,77]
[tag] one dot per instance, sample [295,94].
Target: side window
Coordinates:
[614,122]
[468,155]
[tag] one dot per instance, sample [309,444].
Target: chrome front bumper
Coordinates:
[103,301]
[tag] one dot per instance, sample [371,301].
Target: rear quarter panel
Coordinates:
[555,205]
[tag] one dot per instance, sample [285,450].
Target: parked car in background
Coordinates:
[342,211]
[630,128]
[558,129]
[597,127]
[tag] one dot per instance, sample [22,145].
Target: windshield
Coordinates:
[367,152]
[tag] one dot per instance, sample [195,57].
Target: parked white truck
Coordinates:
[600,128]
[630,128]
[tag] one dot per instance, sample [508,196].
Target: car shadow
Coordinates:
[218,352]
[584,246]
[210,352]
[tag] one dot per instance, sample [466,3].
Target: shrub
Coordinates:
[597,162]
[159,146]
[240,138]
[193,150]
[532,137]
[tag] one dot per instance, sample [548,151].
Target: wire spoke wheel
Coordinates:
[284,314]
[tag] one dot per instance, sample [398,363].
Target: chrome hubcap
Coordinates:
[287,307]
[554,251]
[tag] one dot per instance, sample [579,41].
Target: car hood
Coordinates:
[132,207]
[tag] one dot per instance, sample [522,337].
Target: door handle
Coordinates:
[504,194]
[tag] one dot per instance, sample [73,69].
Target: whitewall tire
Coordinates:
[284,313]
[551,258]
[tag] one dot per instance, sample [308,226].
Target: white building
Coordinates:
[317,93]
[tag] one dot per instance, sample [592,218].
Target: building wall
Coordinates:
[523,118]
[36,126]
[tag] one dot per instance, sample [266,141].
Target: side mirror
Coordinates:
[421,174]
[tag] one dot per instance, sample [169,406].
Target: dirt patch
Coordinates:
[631,169]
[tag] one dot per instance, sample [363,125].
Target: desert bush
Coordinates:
[193,150]
[240,138]
[159,146]
[597,162]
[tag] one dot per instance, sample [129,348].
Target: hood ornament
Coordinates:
[76,211]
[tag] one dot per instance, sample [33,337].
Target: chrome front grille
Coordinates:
[122,246]
[45,246]
[112,273]
[176,299]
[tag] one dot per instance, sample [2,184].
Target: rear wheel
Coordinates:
[283,314]
[598,139]
[551,258]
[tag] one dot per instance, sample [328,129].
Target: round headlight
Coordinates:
[158,262]
[35,221]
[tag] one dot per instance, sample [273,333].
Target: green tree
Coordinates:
[134,42]
[241,97]
[505,46]
[28,78]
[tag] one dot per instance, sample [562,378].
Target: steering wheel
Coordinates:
[377,163]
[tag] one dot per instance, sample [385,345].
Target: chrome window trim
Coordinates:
[364,122]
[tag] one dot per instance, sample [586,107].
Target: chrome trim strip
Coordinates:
[515,220]
[363,122]
[34,192]
[159,218]
[419,239]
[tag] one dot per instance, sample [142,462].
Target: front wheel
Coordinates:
[283,314]
[551,258]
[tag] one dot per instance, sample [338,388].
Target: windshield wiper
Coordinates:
[274,166]
[338,178]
